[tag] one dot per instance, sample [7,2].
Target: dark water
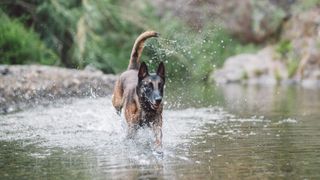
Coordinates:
[230,132]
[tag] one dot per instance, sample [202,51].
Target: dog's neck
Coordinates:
[149,116]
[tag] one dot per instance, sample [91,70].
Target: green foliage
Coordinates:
[102,32]
[283,48]
[193,54]
[277,75]
[56,23]
[21,46]
[285,52]
[109,34]
[258,72]
[245,76]
[293,66]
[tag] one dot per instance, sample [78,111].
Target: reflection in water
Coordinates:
[259,133]
[280,101]
[290,143]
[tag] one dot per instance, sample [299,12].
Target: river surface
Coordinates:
[210,132]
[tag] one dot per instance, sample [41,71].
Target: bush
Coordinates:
[21,46]
[102,33]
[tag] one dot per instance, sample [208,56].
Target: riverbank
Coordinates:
[22,86]
[293,58]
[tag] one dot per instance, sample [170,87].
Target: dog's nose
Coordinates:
[158,99]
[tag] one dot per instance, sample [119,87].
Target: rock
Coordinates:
[303,32]
[4,70]
[251,21]
[303,25]
[92,68]
[258,68]
[295,59]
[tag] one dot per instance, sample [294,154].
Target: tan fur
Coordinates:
[125,96]
[137,49]
[117,96]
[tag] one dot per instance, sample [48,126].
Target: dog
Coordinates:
[140,93]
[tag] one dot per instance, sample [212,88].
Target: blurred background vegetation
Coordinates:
[100,33]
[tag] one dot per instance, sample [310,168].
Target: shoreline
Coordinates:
[24,86]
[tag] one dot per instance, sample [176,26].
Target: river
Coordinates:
[210,132]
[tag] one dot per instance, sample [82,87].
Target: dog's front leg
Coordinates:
[157,129]
[132,130]
[117,97]
[132,116]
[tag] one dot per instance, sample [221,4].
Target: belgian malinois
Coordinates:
[140,93]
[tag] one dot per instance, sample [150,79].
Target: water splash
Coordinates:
[90,128]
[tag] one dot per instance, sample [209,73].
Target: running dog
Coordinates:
[140,93]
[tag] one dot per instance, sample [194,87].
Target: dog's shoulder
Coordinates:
[129,79]
[129,75]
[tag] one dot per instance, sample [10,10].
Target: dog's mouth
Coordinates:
[155,106]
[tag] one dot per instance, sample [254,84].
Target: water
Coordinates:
[226,132]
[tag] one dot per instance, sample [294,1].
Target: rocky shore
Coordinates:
[22,86]
[295,58]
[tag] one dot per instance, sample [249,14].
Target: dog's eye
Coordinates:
[147,90]
[150,85]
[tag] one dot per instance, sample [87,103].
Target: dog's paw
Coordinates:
[158,153]
[118,112]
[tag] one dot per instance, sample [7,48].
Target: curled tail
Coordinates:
[138,48]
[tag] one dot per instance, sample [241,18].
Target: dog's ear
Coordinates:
[160,70]
[143,71]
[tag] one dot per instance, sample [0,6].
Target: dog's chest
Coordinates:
[146,119]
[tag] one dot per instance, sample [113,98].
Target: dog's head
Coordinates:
[150,86]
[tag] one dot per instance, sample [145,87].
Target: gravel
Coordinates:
[24,86]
